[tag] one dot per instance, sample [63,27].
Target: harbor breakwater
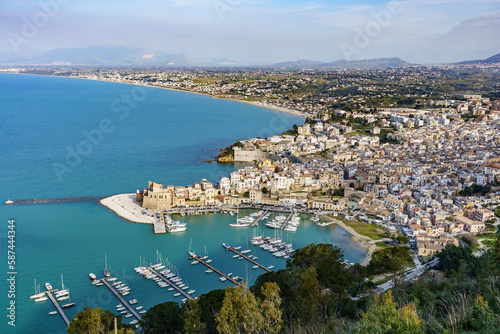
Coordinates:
[59,200]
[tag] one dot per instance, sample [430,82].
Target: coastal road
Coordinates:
[410,275]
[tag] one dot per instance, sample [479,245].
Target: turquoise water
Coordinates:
[165,137]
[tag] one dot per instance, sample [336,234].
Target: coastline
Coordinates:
[364,242]
[254,103]
[125,206]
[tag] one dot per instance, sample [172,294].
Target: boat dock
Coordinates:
[159,226]
[123,301]
[172,284]
[197,258]
[260,218]
[285,223]
[249,259]
[58,307]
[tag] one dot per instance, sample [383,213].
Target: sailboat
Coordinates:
[206,254]
[239,223]
[37,294]
[62,294]
[106,271]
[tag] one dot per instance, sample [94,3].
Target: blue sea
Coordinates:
[64,137]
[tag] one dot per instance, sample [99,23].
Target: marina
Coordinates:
[78,250]
[262,216]
[229,278]
[171,283]
[287,220]
[58,307]
[246,257]
[122,301]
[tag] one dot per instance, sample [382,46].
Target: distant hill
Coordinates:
[298,64]
[124,56]
[491,60]
[343,63]
[110,56]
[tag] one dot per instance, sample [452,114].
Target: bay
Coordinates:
[164,136]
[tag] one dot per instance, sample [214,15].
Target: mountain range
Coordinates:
[342,63]
[491,60]
[124,56]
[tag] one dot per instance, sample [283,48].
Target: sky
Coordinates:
[259,31]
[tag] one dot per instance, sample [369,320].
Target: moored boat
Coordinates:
[37,294]
[68,305]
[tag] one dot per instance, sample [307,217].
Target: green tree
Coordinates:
[470,239]
[163,318]
[391,259]
[403,240]
[210,304]
[192,318]
[86,322]
[271,308]
[453,259]
[383,317]
[483,318]
[495,257]
[332,273]
[242,312]
[309,295]
[239,313]
[97,321]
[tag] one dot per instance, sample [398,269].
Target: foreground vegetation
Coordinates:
[318,293]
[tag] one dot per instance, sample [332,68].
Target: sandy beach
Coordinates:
[364,242]
[254,103]
[125,206]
